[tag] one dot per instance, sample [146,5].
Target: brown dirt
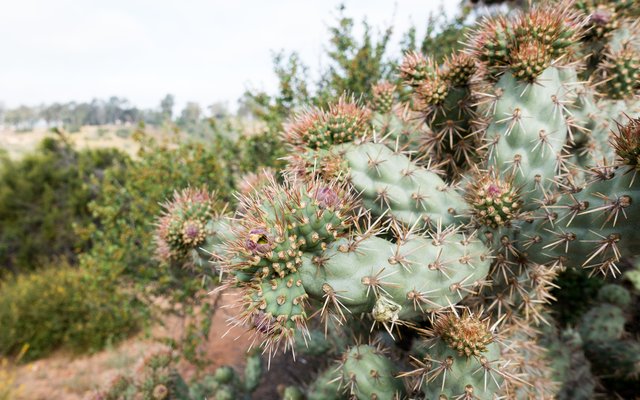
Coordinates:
[68,377]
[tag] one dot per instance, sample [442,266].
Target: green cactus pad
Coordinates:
[368,374]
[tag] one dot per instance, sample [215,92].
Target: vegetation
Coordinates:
[451,224]
[42,197]
[432,230]
[62,307]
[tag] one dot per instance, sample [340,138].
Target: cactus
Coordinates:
[603,332]
[462,359]
[159,379]
[367,374]
[572,368]
[189,226]
[444,221]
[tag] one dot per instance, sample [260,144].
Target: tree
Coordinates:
[166,106]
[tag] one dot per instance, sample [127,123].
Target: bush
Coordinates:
[130,197]
[62,307]
[41,197]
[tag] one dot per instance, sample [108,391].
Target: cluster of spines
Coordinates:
[619,73]
[626,142]
[383,97]
[343,121]
[529,43]
[442,97]
[466,334]
[184,223]
[494,201]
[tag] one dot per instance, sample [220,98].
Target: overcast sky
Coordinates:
[204,51]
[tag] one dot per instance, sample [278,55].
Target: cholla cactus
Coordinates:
[190,228]
[159,379]
[519,163]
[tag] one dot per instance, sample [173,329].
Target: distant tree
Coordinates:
[190,117]
[3,110]
[22,119]
[219,110]
[52,114]
[442,35]
[292,92]
[166,106]
[354,65]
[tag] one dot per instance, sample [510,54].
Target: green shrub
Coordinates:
[130,197]
[41,197]
[62,307]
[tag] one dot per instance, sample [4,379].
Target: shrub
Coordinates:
[130,197]
[41,197]
[62,307]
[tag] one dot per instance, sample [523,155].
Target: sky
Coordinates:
[203,51]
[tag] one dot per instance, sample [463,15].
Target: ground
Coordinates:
[64,376]
[109,136]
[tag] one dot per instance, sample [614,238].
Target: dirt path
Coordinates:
[66,377]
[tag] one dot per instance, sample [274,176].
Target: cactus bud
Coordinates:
[160,392]
[415,69]
[468,335]
[383,97]
[495,202]
[626,142]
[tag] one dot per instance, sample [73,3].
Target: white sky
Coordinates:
[204,51]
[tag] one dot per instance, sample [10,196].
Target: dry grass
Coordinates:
[109,136]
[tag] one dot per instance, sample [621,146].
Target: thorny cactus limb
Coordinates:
[366,373]
[607,345]
[572,370]
[390,183]
[396,282]
[444,100]
[462,359]
[326,386]
[590,226]
[189,223]
[297,255]
[527,132]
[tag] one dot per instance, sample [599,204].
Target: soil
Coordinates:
[69,377]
